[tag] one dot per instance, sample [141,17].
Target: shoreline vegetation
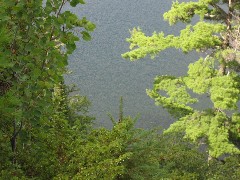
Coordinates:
[46,133]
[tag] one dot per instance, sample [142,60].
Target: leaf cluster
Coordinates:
[218,38]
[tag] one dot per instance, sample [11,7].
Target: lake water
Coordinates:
[103,76]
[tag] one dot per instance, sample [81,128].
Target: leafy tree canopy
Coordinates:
[216,75]
[36,38]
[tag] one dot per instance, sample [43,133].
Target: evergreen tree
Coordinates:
[216,75]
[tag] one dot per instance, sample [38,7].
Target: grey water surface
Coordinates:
[103,75]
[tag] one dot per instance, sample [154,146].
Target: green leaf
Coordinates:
[70,47]
[74,3]
[5,62]
[86,36]
[82,1]
[90,26]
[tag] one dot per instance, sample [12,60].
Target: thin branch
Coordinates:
[57,15]
[60,9]
[15,134]
[219,8]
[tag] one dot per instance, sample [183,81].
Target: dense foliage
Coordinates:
[215,75]
[36,38]
[46,132]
